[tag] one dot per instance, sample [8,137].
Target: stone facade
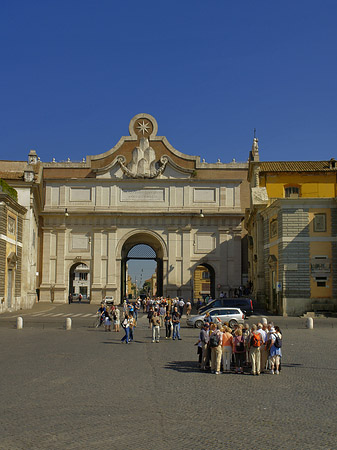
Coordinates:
[11,264]
[142,191]
[292,229]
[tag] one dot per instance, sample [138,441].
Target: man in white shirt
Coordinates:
[263,350]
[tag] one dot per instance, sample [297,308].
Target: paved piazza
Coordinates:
[83,389]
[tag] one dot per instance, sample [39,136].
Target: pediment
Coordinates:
[143,155]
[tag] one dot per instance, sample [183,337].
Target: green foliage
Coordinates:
[6,189]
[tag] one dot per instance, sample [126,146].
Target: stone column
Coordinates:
[170,274]
[45,283]
[186,269]
[111,285]
[60,288]
[234,259]
[223,254]
[96,288]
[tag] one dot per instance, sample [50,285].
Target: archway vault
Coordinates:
[147,238]
[139,236]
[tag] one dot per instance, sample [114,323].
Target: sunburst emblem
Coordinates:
[143,127]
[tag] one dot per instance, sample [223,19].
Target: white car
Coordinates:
[230,315]
[109,300]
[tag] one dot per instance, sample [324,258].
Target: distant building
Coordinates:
[292,229]
[202,283]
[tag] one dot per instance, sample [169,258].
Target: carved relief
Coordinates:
[259,196]
[143,163]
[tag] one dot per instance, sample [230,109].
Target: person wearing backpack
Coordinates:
[275,350]
[255,343]
[215,341]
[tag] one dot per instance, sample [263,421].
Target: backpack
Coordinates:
[256,340]
[214,340]
[278,341]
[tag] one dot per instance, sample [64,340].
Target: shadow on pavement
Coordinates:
[183,366]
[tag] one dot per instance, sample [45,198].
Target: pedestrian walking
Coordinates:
[168,325]
[126,326]
[176,324]
[155,320]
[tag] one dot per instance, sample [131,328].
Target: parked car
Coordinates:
[109,300]
[230,315]
[245,304]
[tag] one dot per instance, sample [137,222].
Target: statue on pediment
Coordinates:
[143,163]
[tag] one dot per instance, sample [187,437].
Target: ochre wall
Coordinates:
[311,185]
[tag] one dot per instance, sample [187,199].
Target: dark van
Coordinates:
[245,304]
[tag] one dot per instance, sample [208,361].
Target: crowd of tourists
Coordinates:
[257,347]
[220,348]
[161,312]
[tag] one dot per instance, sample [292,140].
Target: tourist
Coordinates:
[204,338]
[176,324]
[162,312]
[116,319]
[264,353]
[132,325]
[188,308]
[107,320]
[101,311]
[125,325]
[168,325]
[155,320]
[227,345]
[215,343]
[181,305]
[275,351]
[238,350]
[255,343]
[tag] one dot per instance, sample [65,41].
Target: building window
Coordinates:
[205,275]
[321,281]
[292,192]
[273,228]
[83,276]
[320,222]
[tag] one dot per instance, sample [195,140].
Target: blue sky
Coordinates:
[73,74]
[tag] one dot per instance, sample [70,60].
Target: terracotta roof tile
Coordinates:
[296,166]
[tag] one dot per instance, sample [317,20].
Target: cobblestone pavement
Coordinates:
[83,389]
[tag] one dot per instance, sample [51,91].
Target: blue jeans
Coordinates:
[176,333]
[127,333]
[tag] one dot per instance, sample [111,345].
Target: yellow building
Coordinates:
[292,224]
[202,283]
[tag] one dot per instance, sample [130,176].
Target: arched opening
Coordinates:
[203,282]
[142,261]
[79,283]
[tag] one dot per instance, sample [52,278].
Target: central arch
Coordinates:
[152,240]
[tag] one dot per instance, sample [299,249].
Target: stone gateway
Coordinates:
[142,191]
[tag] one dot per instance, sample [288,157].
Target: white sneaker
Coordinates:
[277,372]
[272,372]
